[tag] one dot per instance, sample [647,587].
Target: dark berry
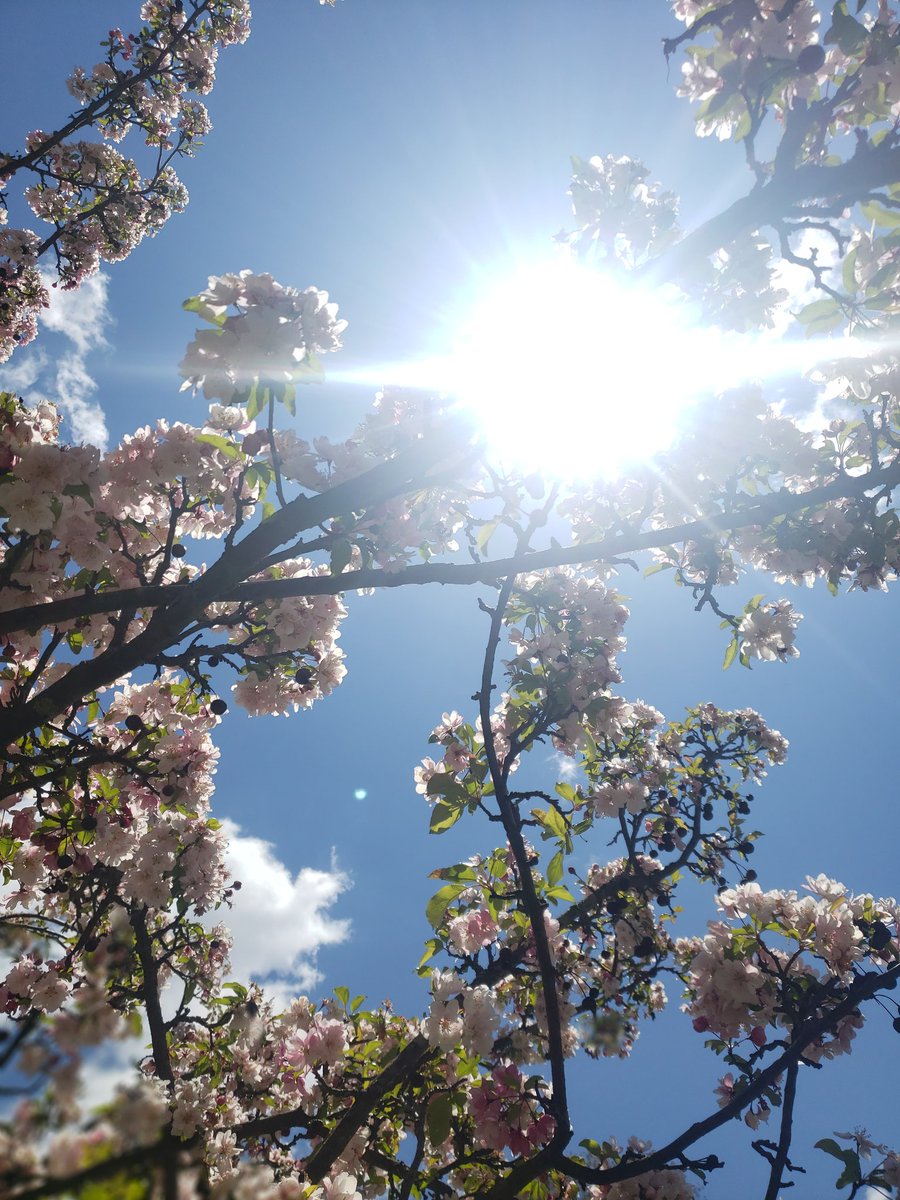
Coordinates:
[810,59]
[134,723]
[178,551]
[303,676]
[218,706]
[64,860]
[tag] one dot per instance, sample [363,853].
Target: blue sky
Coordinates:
[401,154]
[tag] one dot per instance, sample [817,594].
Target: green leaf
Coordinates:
[730,653]
[485,533]
[445,784]
[343,994]
[288,397]
[195,305]
[820,316]
[555,868]
[552,821]
[440,902]
[438,1119]
[255,402]
[431,948]
[79,489]
[559,893]
[887,218]
[848,270]
[224,444]
[830,1146]
[310,370]
[341,554]
[443,816]
[845,30]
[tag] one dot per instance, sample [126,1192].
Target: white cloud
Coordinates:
[81,318]
[279,920]
[25,371]
[80,314]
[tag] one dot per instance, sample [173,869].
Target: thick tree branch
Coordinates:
[409,469]
[760,512]
[407,1061]
[785,195]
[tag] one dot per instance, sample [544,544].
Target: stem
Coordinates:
[158,1041]
[784,1141]
[530,900]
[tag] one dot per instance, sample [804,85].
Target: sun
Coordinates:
[575,374]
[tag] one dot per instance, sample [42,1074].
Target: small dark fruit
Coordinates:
[64,860]
[178,551]
[134,723]
[303,676]
[218,706]
[810,59]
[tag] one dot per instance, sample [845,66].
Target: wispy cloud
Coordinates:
[279,920]
[80,318]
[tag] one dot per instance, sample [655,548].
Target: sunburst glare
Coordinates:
[575,373]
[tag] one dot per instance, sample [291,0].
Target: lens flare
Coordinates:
[573,373]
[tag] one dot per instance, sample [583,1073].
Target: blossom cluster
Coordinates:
[273,337]
[98,203]
[770,963]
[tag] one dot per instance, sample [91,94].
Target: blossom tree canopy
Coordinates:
[141,586]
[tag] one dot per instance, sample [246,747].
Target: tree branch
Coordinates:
[408,1060]
[410,468]
[761,512]
[869,168]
